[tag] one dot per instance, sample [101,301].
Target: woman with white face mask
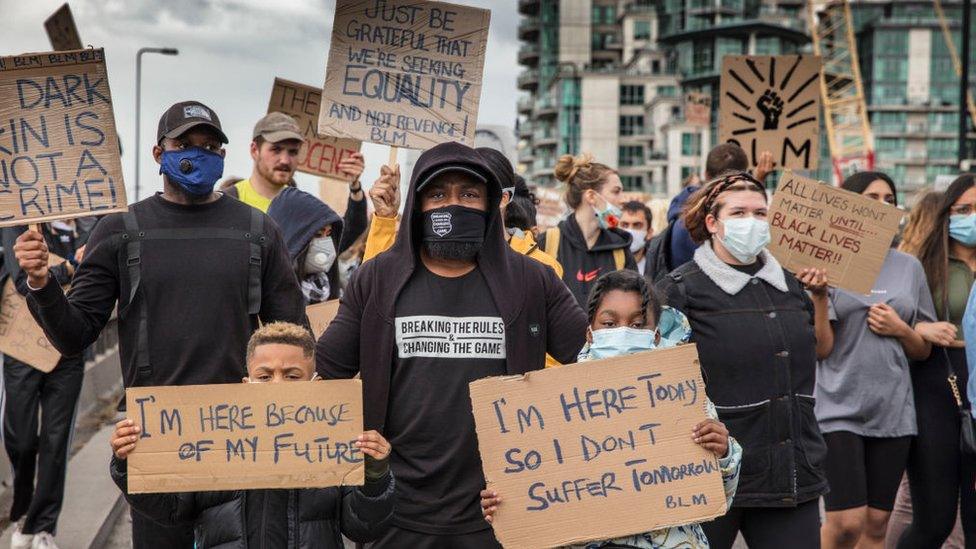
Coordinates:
[753,323]
[313,234]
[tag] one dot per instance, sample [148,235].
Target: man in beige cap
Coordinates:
[277,140]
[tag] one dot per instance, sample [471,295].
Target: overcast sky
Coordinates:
[230,53]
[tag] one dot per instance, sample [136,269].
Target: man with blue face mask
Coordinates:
[180,263]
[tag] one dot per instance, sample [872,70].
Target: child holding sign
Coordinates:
[309,518]
[626,317]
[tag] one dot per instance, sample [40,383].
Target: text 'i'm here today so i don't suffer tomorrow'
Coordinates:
[586,410]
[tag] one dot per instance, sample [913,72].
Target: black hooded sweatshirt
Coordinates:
[300,216]
[582,266]
[539,316]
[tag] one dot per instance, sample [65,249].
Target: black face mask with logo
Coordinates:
[454,232]
[454,224]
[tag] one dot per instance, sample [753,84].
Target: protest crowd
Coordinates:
[813,414]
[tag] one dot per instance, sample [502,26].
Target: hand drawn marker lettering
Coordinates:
[765,109]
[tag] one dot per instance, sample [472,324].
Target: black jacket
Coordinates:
[582,266]
[195,274]
[539,312]
[758,356]
[657,257]
[309,518]
[300,216]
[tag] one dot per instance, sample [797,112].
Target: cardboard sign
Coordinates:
[772,103]
[59,152]
[597,450]
[320,154]
[240,436]
[698,108]
[320,316]
[405,73]
[816,225]
[61,30]
[20,335]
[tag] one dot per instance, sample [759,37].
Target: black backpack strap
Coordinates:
[256,238]
[132,237]
[678,280]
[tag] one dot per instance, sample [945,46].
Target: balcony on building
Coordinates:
[638,7]
[528,80]
[769,21]
[545,107]
[528,28]
[711,7]
[526,155]
[528,54]
[525,104]
[528,7]
[545,139]
[615,43]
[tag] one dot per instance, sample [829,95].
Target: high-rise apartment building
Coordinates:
[911,88]
[608,77]
[596,81]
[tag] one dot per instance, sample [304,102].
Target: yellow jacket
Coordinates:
[383,230]
[525,244]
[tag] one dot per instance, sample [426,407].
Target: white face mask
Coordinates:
[745,238]
[321,254]
[637,239]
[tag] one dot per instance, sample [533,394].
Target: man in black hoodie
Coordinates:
[449,303]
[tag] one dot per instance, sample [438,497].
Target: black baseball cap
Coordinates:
[448,157]
[185,115]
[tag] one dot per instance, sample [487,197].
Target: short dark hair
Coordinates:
[520,213]
[638,206]
[522,188]
[625,281]
[726,157]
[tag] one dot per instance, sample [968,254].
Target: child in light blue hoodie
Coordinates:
[626,317]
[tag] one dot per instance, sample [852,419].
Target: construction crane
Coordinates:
[956,63]
[845,111]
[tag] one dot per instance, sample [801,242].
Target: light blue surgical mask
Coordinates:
[609,216]
[195,169]
[745,238]
[962,229]
[611,342]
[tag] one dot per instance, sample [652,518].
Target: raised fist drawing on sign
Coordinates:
[771,106]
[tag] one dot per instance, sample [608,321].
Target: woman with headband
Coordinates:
[759,335]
